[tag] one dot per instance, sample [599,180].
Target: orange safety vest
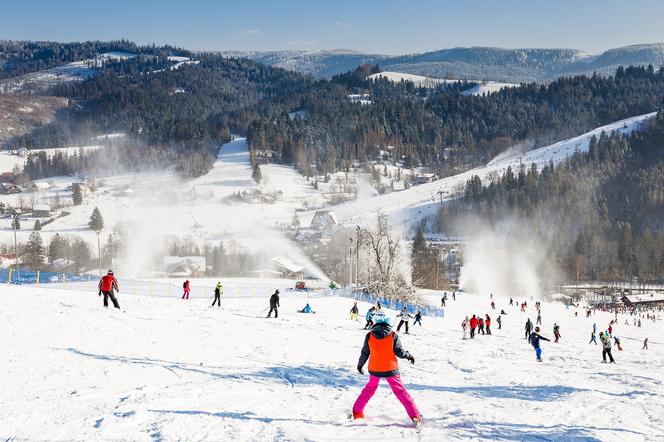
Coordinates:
[382,358]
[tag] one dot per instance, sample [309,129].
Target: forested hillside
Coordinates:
[22,57]
[317,125]
[601,214]
[442,129]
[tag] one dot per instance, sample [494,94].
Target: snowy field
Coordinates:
[484,87]
[168,369]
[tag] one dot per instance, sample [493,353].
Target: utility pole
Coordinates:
[350,263]
[357,257]
[99,251]
[18,268]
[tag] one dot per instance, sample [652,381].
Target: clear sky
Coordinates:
[391,27]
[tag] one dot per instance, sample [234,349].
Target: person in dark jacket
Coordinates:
[107,285]
[381,348]
[500,322]
[354,312]
[535,338]
[274,305]
[556,332]
[418,318]
[218,291]
[529,327]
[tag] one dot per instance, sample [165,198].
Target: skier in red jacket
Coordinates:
[473,326]
[107,285]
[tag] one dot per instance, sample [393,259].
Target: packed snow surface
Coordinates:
[170,369]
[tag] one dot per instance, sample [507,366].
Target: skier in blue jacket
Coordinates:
[535,342]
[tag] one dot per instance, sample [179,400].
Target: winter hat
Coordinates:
[537,329]
[380,317]
[110,272]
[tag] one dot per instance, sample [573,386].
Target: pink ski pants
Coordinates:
[397,388]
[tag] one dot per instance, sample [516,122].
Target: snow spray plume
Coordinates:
[505,259]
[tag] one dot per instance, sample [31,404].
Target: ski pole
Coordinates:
[263,311]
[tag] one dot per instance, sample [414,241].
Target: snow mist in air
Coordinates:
[505,260]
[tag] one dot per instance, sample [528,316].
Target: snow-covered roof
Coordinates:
[287,264]
[62,263]
[41,185]
[41,208]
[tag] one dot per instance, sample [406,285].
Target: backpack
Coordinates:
[184,285]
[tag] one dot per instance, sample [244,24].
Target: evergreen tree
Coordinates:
[96,221]
[77,196]
[57,248]
[80,251]
[34,252]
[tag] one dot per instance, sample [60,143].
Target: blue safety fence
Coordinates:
[32,277]
[395,304]
[87,282]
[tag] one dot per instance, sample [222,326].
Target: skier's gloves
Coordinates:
[360,369]
[411,359]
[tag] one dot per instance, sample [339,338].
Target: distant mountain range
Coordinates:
[507,65]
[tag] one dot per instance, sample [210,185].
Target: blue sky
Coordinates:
[392,27]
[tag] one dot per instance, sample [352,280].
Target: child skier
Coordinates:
[535,338]
[405,317]
[381,348]
[107,285]
[369,318]
[593,338]
[306,309]
[480,325]
[218,291]
[500,322]
[617,342]
[418,318]
[185,289]
[487,325]
[353,312]
[464,325]
[556,331]
[645,344]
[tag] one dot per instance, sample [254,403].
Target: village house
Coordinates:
[39,187]
[41,211]
[424,178]
[184,266]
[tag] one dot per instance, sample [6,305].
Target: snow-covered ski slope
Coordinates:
[168,369]
[409,206]
[161,204]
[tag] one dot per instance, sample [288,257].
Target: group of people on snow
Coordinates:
[482,325]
